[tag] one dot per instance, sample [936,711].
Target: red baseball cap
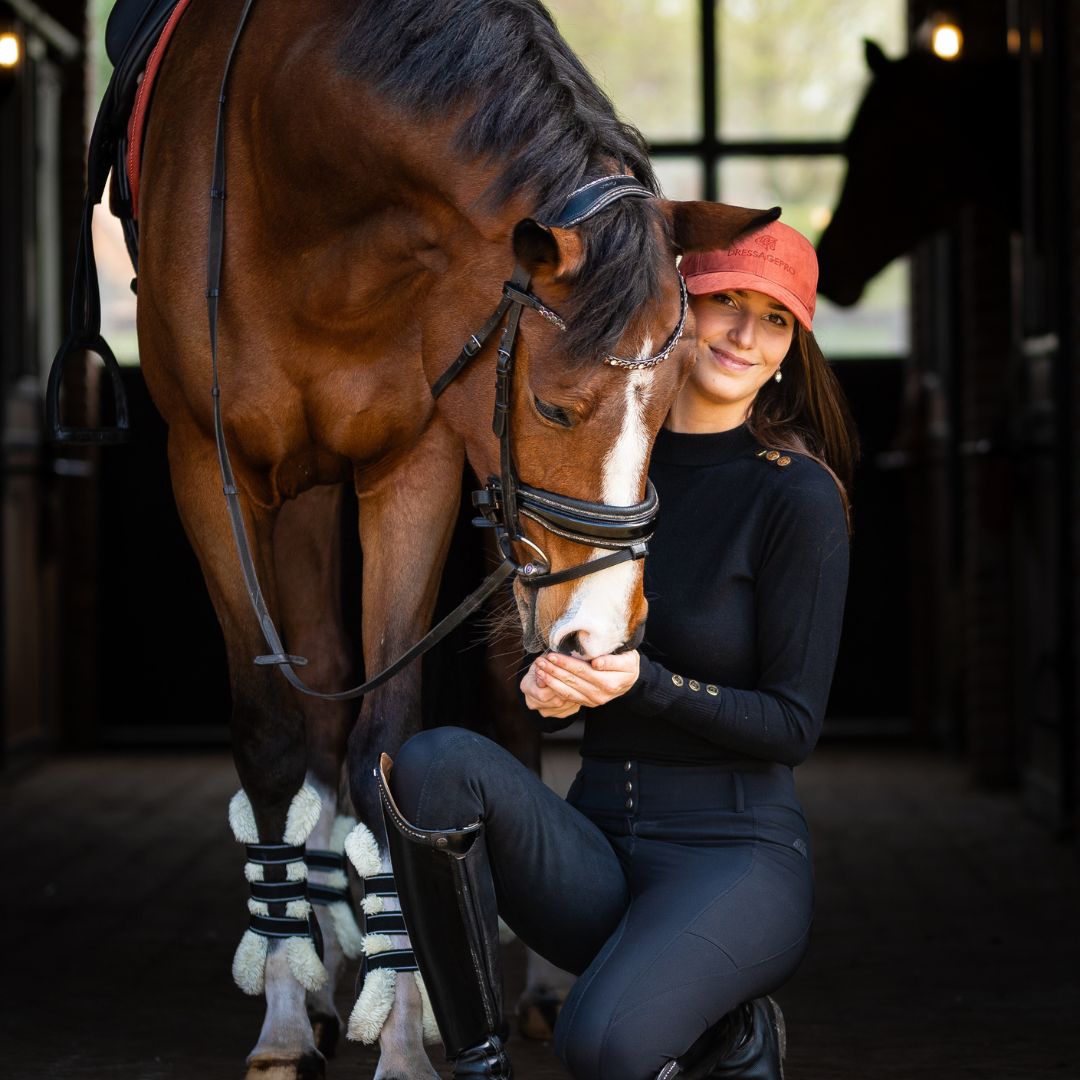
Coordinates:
[775,260]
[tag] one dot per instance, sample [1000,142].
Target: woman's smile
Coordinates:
[729,361]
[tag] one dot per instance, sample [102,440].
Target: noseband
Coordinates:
[505,500]
[625,530]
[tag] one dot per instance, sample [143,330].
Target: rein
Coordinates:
[625,530]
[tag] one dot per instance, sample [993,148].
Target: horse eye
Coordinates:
[553,413]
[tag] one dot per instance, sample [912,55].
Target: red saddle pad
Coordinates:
[137,122]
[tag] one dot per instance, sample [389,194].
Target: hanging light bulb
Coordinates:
[939,33]
[947,40]
[10,50]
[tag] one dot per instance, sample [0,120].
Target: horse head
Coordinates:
[598,360]
[929,136]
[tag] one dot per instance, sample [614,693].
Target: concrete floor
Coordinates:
[946,943]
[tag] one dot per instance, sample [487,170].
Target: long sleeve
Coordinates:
[799,592]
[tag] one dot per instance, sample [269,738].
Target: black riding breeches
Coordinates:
[675,892]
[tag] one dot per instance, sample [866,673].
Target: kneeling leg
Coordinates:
[474,834]
[707,931]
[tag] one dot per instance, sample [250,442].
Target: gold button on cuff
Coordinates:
[785,460]
[772,455]
[677,680]
[694,684]
[710,689]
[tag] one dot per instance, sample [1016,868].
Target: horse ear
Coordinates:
[548,254]
[706,226]
[876,60]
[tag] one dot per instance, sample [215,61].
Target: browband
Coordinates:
[591,198]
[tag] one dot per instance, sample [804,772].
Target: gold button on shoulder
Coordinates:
[772,455]
[785,460]
[713,690]
[694,684]
[677,680]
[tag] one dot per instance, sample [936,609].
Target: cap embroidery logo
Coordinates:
[741,252]
[768,242]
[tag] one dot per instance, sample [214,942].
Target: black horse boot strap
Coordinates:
[448,900]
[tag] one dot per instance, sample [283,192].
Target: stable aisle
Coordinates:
[946,943]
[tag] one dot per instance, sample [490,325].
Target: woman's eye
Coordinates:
[553,413]
[777,320]
[723,298]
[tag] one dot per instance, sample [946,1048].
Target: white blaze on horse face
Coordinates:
[599,608]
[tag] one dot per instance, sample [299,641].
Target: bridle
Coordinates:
[623,530]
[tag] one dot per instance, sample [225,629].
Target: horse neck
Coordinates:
[383,195]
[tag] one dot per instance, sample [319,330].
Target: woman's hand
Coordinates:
[542,698]
[586,683]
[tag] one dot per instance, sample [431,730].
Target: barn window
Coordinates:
[749,101]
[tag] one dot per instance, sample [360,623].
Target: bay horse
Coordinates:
[929,137]
[388,164]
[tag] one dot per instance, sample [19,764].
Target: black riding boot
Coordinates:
[448,900]
[747,1044]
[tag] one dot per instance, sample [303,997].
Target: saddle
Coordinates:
[136,36]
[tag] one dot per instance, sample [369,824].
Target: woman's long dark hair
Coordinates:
[807,413]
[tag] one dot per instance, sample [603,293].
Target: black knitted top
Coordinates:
[745,580]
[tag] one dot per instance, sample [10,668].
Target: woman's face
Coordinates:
[742,337]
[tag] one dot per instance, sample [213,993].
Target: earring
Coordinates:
[778,376]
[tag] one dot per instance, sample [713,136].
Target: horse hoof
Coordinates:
[327,1031]
[415,1071]
[536,1016]
[310,1066]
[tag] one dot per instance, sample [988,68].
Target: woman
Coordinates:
[676,878]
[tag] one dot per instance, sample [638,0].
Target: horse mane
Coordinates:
[532,107]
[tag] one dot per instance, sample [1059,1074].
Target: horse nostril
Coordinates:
[570,644]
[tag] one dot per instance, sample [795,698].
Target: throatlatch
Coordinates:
[279,906]
[382,959]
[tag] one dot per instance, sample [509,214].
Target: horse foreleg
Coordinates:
[407,516]
[307,554]
[274,805]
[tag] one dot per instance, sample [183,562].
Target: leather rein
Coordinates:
[624,530]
